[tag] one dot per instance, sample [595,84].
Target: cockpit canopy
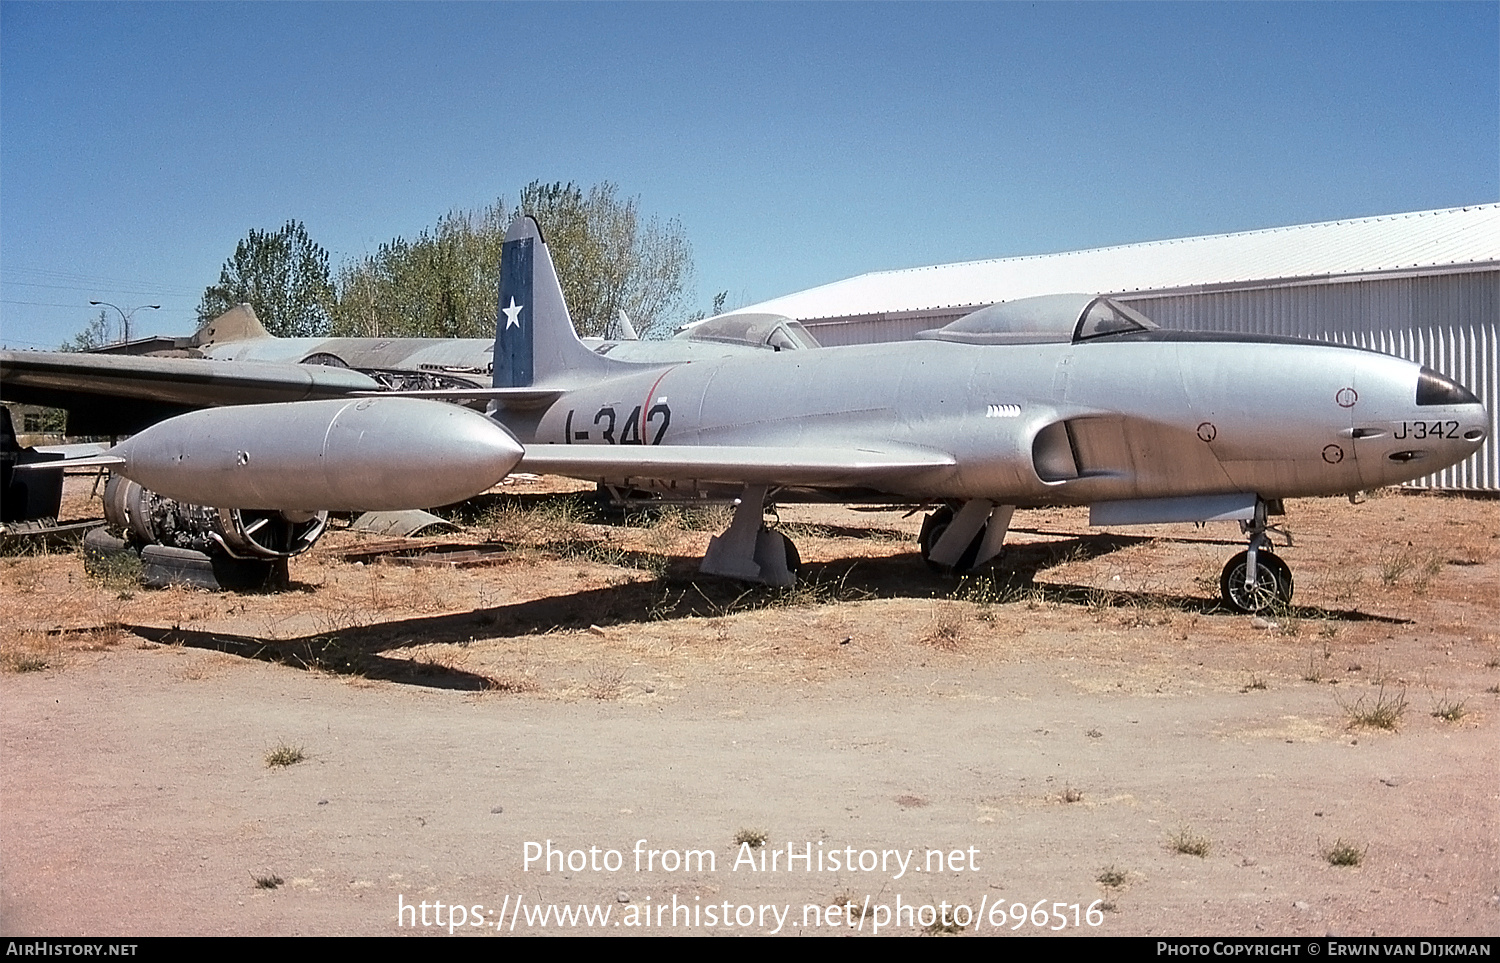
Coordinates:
[1041,320]
[774,331]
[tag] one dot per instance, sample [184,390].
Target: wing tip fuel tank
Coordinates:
[372,454]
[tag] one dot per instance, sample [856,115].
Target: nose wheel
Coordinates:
[1271,588]
[1257,580]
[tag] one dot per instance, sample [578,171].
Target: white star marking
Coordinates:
[512,314]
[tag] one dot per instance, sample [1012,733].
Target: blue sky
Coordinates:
[797,144]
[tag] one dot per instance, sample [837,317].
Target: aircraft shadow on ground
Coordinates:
[682,593]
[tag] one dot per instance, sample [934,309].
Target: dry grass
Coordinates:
[1345,584]
[1189,843]
[1381,712]
[1099,602]
[754,838]
[284,755]
[1112,877]
[24,662]
[946,631]
[605,682]
[987,590]
[118,570]
[943,926]
[556,522]
[29,651]
[1418,567]
[510,682]
[1450,710]
[24,573]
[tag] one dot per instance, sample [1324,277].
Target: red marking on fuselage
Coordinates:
[646,408]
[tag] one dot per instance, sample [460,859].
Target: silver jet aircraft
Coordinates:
[1061,400]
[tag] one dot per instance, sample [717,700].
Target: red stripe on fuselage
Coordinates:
[646,408]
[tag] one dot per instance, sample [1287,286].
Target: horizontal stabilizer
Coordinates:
[832,467]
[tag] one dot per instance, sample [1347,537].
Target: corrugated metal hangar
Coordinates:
[1423,286]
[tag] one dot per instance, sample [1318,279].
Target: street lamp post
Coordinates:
[124,315]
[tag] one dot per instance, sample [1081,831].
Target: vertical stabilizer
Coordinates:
[535,343]
[239,323]
[621,329]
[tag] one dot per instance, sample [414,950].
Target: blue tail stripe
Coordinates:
[514,317]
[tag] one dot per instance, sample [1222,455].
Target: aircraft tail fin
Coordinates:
[239,323]
[621,329]
[535,343]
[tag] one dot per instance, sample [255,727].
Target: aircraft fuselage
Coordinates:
[1054,423]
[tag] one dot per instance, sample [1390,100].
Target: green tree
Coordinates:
[284,276]
[443,284]
[94,335]
[609,256]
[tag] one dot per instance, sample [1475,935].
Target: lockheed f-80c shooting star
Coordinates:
[1060,400]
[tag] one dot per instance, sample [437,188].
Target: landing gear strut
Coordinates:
[750,551]
[1256,580]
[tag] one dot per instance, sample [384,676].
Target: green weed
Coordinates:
[1342,853]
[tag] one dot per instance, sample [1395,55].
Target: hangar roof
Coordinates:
[1457,239]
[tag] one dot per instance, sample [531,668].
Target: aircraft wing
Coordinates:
[505,397]
[111,394]
[752,465]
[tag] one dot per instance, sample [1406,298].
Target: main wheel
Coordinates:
[1273,583]
[933,527]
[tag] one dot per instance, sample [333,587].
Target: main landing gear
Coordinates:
[749,550]
[1257,580]
[961,541]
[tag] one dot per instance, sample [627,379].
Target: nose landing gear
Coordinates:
[1257,580]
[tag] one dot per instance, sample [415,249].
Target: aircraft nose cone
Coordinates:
[1433,424]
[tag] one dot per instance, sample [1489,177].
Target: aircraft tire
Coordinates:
[1273,583]
[103,552]
[933,527]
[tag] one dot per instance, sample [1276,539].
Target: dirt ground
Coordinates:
[1083,730]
